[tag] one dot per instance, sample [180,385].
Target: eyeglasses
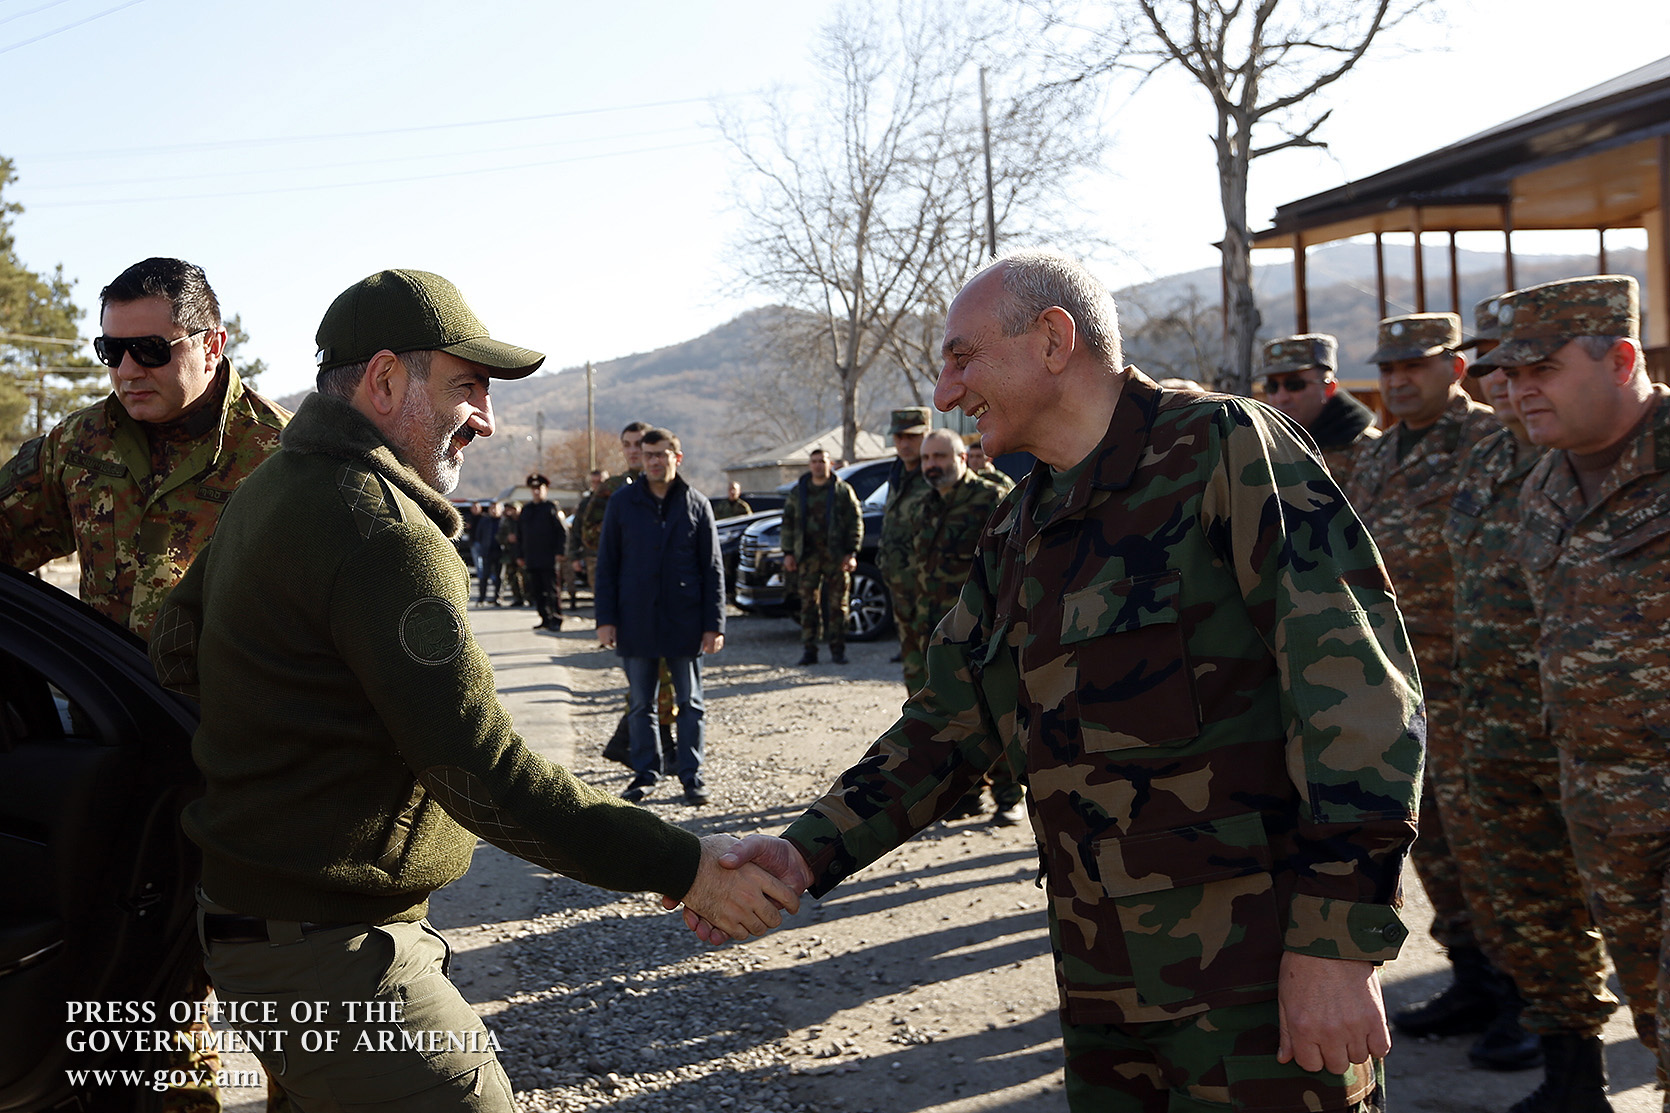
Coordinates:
[147,351]
[1293,384]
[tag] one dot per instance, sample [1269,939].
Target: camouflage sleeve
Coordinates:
[942,744]
[1316,589]
[851,517]
[789,533]
[35,523]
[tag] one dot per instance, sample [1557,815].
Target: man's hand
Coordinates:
[1331,1013]
[606,637]
[578,565]
[788,563]
[712,641]
[777,856]
[851,563]
[736,901]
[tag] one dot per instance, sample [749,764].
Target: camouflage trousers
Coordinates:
[1220,1060]
[825,598]
[1446,846]
[197,1061]
[1543,934]
[911,646]
[511,576]
[1627,881]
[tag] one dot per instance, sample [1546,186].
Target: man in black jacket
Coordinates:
[542,536]
[661,594]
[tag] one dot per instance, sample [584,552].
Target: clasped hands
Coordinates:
[742,888]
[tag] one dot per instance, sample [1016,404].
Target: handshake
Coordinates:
[743,887]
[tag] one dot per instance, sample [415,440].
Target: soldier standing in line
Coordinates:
[1594,542]
[541,538]
[981,464]
[1216,705]
[575,556]
[905,488]
[1401,485]
[1542,934]
[1299,381]
[135,484]
[733,505]
[823,527]
[947,535]
[510,554]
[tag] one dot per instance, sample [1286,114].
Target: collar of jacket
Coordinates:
[1341,421]
[130,433]
[330,427]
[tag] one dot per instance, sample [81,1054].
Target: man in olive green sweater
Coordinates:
[351,740]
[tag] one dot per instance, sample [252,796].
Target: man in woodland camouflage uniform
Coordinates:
[981,464]
[905,488]
[1401,485]
[1299,381]
[1186,634]
[575,556]
[733,505]
[947,536]
[823,527]
[134,485]
[1594,543]
[1541,934]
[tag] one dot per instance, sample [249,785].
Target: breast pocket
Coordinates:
[1132,682]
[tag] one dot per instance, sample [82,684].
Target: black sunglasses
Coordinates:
[1293,384]
[147,351]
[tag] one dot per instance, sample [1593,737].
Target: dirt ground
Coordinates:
[921,985]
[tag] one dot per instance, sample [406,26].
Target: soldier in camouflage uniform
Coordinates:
[981,465]
[905,488]
[1542,934]
[1299,381]
[947,531]
[822,529]
[134,485]
[733,505]
[575,554]
[1401,485]
[1180,626]
[1594,543]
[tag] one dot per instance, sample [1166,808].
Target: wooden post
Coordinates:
[1601,260]
[1301,295]
[1507,246]
[1455,278]
[1380,273]
[1420,262]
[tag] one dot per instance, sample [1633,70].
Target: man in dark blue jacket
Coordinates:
[661,594]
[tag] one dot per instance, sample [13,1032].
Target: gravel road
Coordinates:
[923,984]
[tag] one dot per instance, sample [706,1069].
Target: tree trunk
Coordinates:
[1241,319]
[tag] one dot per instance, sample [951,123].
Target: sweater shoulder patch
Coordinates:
[432,632]
[368,498]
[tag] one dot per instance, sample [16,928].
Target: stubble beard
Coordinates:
[425,441]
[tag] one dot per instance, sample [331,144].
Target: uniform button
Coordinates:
[1394,932]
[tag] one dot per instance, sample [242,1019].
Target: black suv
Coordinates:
[760,586]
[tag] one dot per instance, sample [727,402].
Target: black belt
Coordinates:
[225,927]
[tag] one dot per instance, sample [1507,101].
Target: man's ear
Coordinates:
[1330,388]
[1061,335]
[1459,366]
[384,384]
[1621,361]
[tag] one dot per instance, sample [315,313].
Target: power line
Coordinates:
[372,182]
[33,11]
[20,338]
[70,26]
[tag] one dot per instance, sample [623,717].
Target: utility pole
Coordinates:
[986,141]
[539,440]
[591,422]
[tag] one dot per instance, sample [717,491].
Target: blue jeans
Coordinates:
[642,677]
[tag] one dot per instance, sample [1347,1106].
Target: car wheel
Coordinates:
[870,611]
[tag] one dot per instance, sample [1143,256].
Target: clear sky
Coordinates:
[557,160]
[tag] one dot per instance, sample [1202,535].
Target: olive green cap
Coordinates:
[1300,353]
[1538,321]
[911,419]
[413,311]
[1485,324]
[1416,336]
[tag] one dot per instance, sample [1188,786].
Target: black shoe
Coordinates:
[838,654]
[669,749]
[695,795]
[639,788]
[1009,815]
[968,807]
[619,747]
[1576,1081]
[1505,1045]
[896,659]
[810,656]
[1467,1005]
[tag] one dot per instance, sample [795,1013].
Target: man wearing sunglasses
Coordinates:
[135,484]
[1299,381]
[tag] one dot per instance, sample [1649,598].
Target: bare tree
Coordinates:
[1181,340]
[865,210]
[1262,63]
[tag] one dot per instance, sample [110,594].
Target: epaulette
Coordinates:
[26,463]
[368,497]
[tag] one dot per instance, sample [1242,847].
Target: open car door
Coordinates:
[96,877]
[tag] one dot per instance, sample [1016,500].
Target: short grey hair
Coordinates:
[1039,280]
[959,446]
[341,382]
[1597,347]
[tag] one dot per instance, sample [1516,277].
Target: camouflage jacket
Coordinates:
[572,547]
[991,474]
[1495,621]
[86,487]
[946,535]
[1340,430]
[588,519]
[1199,659]
[905,490]
[829,519]
[730,508]
[1404,505]
[1600,575]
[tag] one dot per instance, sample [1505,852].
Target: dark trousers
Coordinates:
[542,585]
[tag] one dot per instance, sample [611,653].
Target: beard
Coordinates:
[424,440]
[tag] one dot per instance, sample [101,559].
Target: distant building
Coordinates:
[767,469]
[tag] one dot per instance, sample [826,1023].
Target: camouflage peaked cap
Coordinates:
[1486,323]
[1417,336]
[912,419]
[1297,353]
[1537,321]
